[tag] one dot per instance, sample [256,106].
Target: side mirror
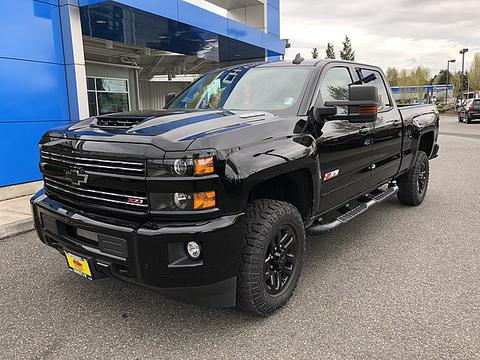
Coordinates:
[169,98]
[362,106]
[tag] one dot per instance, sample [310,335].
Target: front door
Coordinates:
[387,133]
[344,147]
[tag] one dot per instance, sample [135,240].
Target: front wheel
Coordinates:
[460,119]
[414,184]
[272,256]
[468,119]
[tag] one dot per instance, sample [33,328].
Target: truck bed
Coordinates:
[409,112]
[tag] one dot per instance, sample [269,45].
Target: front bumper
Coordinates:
[151,254]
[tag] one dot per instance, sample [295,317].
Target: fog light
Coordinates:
[181,200]
[193,250]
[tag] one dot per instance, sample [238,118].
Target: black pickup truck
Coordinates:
[209,200]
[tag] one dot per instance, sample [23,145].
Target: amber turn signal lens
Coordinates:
[204,200]
[204,166]
[368,109]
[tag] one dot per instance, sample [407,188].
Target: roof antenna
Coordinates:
[298,59]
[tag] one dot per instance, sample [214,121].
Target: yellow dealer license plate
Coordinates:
[78,265]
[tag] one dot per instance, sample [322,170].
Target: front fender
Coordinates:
[255,164]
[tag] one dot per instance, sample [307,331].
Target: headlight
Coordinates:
[183,201]
[181,167]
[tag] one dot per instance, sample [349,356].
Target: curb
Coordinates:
[16,228]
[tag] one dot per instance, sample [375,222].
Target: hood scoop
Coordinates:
[112,121]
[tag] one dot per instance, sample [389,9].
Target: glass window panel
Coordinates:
[245,88]
[114,85]
[112,102]
[92,103]
[335,86]
[90,83]
[383,100]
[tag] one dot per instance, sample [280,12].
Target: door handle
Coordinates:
[397,122]
[364,130]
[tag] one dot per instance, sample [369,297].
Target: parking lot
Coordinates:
[396,283]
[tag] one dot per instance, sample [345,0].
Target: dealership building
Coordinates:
[65,60]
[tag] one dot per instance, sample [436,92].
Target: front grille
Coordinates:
[126,200]
[82,178]
[122,122]
[135,168]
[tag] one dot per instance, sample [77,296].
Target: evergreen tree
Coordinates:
[347,52]
[330,52]
[314,53]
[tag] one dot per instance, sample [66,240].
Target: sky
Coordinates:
[399,33]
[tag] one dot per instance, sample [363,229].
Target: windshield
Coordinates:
[246,88]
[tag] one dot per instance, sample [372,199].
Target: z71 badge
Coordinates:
[330,175]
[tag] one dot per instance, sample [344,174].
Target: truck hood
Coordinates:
[179,130]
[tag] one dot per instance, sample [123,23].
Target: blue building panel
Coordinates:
[20,142]
[203,19]
[244,33]
[166,8]
[274,3]
[51,2]
[273,20]
[32,91]
[30,30]
[185,14]
[273,43]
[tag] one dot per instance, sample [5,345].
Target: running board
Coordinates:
[352,214]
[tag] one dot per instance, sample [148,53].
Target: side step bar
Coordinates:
[352,214]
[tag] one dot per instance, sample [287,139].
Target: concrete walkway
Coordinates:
[15,216]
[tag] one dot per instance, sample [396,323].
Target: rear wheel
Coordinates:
[460,118]
[272,256]
[414,184]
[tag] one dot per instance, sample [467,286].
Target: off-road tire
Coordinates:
[410,192]
[264,218]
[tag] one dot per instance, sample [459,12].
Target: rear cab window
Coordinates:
[384,103]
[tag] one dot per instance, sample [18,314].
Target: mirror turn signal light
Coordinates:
[204,200]
[204,166]
[370,109]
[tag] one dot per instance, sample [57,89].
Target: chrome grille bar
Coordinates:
[75,193]
[94,191]
[136,168]
[96,160]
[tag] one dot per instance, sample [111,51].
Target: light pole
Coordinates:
[462,52]
[448,74]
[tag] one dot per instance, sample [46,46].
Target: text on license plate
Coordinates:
[78,265]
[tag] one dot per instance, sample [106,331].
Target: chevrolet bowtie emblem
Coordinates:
[76,177]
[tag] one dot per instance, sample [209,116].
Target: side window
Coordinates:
[383,100]
[335,86]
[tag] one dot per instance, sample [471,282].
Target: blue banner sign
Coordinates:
[427,88]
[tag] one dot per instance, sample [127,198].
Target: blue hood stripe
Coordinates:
[163,128]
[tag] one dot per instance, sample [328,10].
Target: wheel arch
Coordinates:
[295,187]
[427,142]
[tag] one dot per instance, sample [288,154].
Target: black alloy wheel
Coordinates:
[413,185]
[280,260]
[422,179]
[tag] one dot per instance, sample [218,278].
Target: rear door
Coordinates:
[344,147]
[387,131]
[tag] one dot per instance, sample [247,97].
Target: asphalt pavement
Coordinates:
[396,283]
